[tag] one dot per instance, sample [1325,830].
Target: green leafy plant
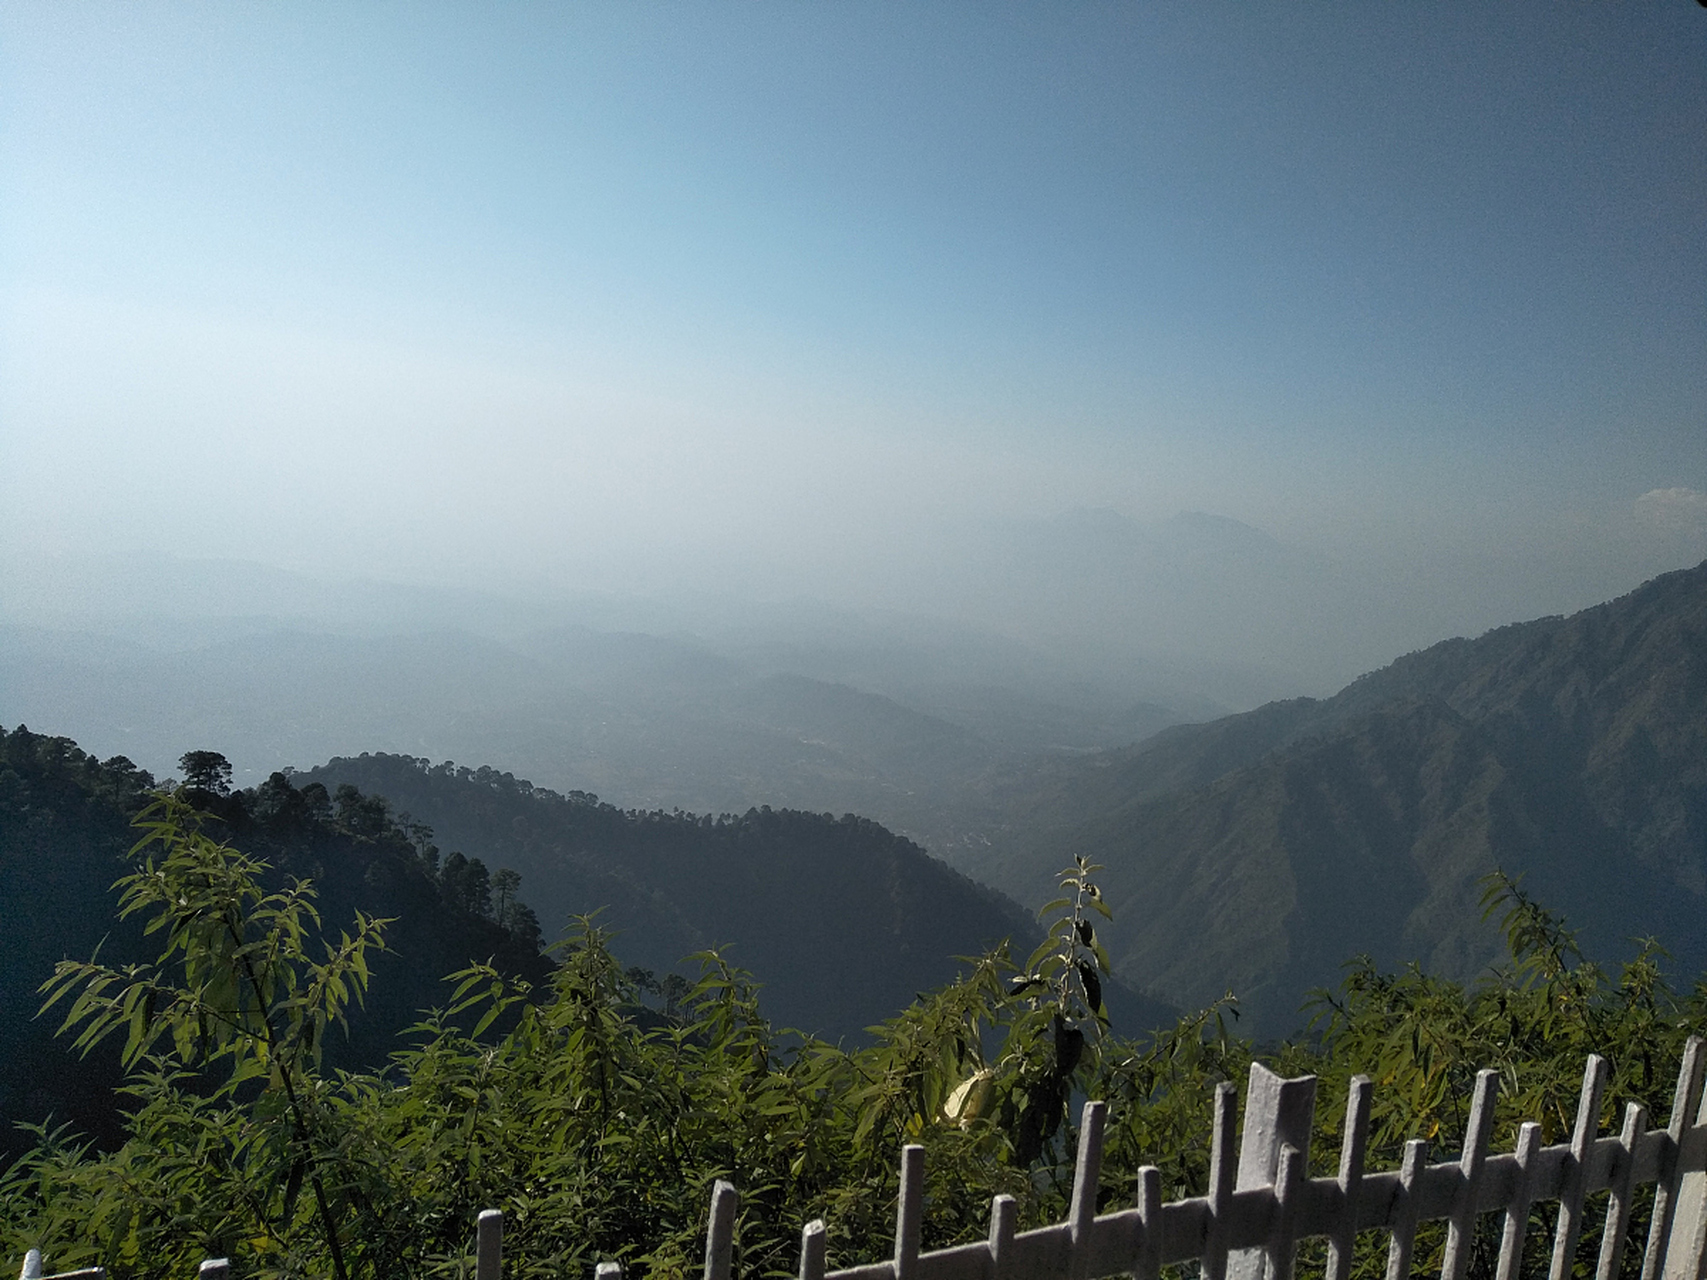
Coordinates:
[228,1026]
[1054,1039]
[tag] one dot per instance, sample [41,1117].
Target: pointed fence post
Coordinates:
[1405,1211]
[1517,1206]
[1278,1113]
[1087,1170]
[909,1212]
[1461,1230]
[32,1266]
[1571,1188]
[488,1245]
[1678,1237]
[214,1269]
[1354,1145]
[720,1232]
[812,1252]
[1150,1217]
[1623,1187]
[1004,1218]
[1221,1172]
[608,1271]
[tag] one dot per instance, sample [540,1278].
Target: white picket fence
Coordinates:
[1261,1205]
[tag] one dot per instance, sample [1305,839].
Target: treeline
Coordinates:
[294,815]
[65,833]
[598,1116]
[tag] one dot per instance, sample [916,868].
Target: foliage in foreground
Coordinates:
[599,1122]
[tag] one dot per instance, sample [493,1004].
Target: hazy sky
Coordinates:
[772,294]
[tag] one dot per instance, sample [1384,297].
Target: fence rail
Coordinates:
[1262,1204]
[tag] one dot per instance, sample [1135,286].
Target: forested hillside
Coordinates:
[64,835]
[1259,851]
[841,921]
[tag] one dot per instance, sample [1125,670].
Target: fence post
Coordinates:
[909,1211]
[1679,1234]
[1354,1144]
[1287,1180]
[1517,1207]
[1150,1216]
[1082,1209]
[1571,1192]
[812,1252]
[488,1245]
[1004,1217]
[1220,1182]
[1623,1185]
[720,1232]
[1405,1211]
[214,1269]
[1278,1113]
[32,1266]
[1462,1231]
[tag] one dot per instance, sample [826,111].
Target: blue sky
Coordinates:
[772,294]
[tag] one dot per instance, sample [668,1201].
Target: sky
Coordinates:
[786,299]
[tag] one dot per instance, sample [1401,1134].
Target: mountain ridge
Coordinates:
[1570,748]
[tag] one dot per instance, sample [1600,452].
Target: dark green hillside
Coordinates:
[64,835]
[64,830]
[842,921]
[1258,851]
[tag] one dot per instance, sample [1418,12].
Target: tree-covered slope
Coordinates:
[841,921]
[1258,851]
[64,838]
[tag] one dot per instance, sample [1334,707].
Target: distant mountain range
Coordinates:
[1005,643]
[1259,851]
[871,725]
